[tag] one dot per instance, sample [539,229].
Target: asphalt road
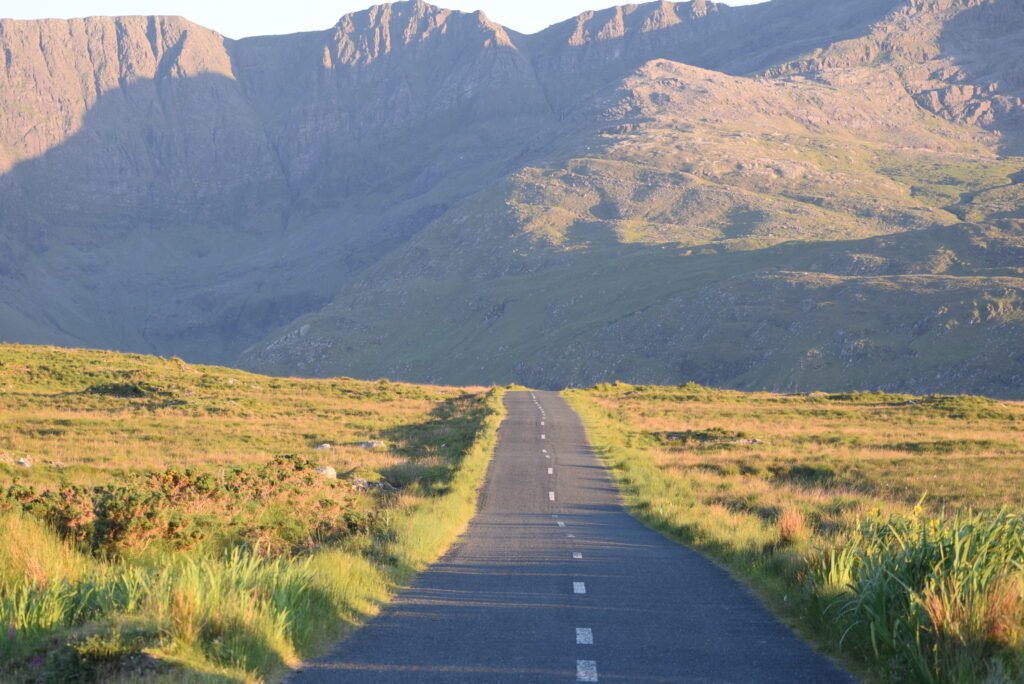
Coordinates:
[555,582]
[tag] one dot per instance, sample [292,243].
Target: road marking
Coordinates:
[547,455]
[551,471]
[584,636]
[577,555]
[586,670]
[571,536]
[561,524]
[542,423]
[543,436]
[551,496]
[579,588]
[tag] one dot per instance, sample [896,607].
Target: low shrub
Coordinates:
[281,506]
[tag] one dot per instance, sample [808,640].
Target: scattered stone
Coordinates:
[325,445]
[24,462]
[328,472]
[361,485]
[374,444]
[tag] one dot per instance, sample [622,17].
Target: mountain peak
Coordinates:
[366,35]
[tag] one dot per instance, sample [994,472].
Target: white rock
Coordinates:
[325,445]
[328,472]
[24,462]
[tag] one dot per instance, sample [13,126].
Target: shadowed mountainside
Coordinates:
[425,194]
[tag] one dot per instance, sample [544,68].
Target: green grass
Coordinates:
[886,528]
[167,567]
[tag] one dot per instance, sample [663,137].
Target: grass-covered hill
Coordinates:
[171,522]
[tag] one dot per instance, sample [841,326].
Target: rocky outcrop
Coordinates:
[960,59]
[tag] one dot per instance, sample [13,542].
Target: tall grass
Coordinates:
[936,599]
[31,555]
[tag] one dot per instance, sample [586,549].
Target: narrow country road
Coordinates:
[555,582]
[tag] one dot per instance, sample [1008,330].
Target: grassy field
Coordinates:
[887,528]
[164,521]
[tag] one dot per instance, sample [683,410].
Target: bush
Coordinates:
[281,506]
[125,390]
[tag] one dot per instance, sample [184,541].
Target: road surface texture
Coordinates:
[555,582]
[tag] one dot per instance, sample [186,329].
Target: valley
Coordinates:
[676,341]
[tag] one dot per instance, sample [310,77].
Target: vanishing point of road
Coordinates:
[555,582]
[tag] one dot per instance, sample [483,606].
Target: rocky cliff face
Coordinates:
[958,58]
[166,190]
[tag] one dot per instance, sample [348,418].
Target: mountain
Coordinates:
[798,194]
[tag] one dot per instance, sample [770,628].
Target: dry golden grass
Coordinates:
[817,450]
[84,417]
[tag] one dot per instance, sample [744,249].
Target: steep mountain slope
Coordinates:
[653,192]
[651,257]
[185,194]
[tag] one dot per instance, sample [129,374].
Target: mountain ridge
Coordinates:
[168,190]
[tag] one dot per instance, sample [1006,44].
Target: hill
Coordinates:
[426,195]
[171,522]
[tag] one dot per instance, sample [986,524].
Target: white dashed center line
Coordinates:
[579,588]
[586,670]
[584,636]
[551,496]
[543,437]
[570,536]
[561,524]
[577,555]
[551,471]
